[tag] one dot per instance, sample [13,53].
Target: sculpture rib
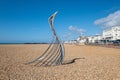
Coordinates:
[54,54]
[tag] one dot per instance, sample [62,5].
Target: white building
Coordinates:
[112,33]
[94,39]
[106,37]
[81,40]
[70,42]
[89,40]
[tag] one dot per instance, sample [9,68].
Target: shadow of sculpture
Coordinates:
[71,61]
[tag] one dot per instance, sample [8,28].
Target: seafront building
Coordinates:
[71,42]
[94,39]
[107,37]
[112,33]
[81,40]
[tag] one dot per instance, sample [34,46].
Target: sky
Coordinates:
[24,21]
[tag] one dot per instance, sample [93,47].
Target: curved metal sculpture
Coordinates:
[54,54]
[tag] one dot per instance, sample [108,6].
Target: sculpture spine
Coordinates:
[54,54]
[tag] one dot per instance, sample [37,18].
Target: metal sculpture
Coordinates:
[54,54]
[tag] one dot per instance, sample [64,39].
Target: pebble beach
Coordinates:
[95,63]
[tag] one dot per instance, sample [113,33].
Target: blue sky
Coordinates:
[27,20]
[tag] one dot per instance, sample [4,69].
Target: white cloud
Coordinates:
[73,33]
[111,20]
[76,30]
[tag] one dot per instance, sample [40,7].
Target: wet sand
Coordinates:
[95,63]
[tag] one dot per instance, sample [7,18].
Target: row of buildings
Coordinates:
[108,37]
